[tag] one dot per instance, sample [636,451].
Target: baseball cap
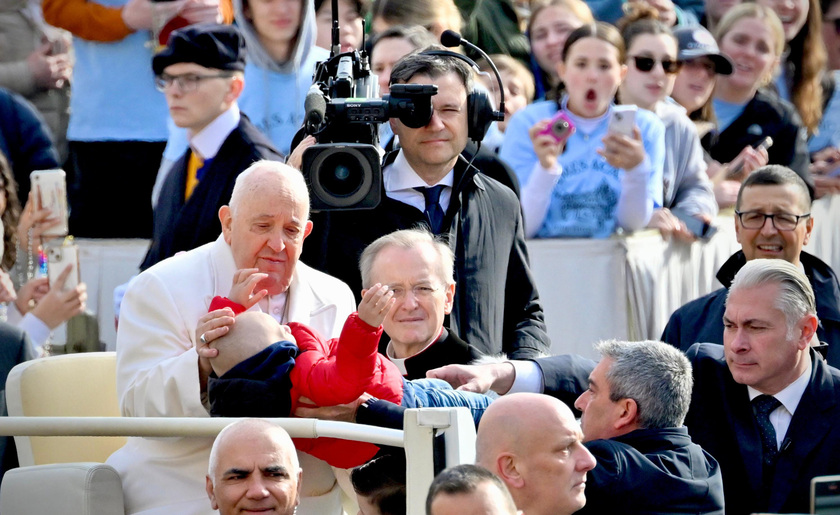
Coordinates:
[696,42]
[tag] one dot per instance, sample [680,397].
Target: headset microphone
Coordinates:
[451,39]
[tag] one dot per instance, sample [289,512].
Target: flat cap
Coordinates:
[220,47]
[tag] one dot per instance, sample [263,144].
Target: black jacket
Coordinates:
[701,320]
[647,471]
[653,471]
[497,307]
[447,350]
[721,420]
[180,225]
[765,115]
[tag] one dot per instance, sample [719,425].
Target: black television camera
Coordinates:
[343,112]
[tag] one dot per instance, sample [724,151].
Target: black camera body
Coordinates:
[343,169]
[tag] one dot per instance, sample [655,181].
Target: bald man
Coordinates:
[534,445]
[253,468]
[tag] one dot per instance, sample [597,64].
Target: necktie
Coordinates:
[196,166]
[434,213]
[762,406]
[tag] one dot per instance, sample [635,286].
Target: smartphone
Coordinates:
[622,120]
[825,495]
[560,127]
[58,257]
[735,171]
[50,187]
[702,230]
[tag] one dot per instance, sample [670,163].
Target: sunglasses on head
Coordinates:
[645,64]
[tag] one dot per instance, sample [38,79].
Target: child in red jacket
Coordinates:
[263,368]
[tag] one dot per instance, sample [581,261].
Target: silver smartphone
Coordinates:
[58,257]
[622,120]
[50,187]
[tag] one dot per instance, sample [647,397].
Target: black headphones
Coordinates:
[480,112]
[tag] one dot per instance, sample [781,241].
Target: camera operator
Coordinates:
[428,181]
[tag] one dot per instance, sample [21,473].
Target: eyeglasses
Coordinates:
[781,221]
[187,82]
[645,64]
[420,291]
[836,22]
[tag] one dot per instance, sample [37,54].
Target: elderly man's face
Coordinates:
[267,230]
[769,242]
[755,340]
[423,298]
[255,475]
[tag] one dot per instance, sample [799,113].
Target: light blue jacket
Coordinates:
[585,197]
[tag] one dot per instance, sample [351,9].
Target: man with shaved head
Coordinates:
[534,445]
[253,468]
[164,319]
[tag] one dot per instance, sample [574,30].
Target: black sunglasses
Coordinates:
[645,64]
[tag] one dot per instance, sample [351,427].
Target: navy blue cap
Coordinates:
[220,47]
[695,42]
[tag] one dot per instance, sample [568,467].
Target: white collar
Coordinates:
[792,393]
[401,176]
[208,140]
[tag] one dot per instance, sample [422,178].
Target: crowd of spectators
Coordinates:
[731,104]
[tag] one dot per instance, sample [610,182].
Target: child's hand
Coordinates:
[244,282]
[376,303]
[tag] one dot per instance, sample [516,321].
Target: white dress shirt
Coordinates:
[789,397]
[400,179]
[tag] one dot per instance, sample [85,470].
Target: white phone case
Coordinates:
[58,257]
[50,187]
[623,120]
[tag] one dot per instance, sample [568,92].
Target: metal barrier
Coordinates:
[421,426]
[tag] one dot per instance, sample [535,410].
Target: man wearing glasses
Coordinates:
[772,221]
[201,72]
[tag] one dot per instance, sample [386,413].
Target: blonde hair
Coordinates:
[506,63]
[759,12]
[577,7]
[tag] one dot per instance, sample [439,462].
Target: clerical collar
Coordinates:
[400,362]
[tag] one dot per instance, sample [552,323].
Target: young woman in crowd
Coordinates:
[597,180]
[652,66]
[350,15]
[518,85]
[702,62]
[753,37]
[550,24]
[802,65]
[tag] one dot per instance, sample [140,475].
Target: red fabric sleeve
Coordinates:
[224,302]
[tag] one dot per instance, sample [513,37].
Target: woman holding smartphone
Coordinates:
[593,180]
[652,67]
[753,37]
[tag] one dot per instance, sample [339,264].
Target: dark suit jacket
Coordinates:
[185,226]
[647,471]
[722,421]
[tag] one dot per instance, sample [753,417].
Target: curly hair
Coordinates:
[10,216]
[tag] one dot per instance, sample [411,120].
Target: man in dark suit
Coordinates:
[764,404]
[201,73]
[496,306]
[774,192]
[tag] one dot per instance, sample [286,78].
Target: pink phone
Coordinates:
[560,127]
